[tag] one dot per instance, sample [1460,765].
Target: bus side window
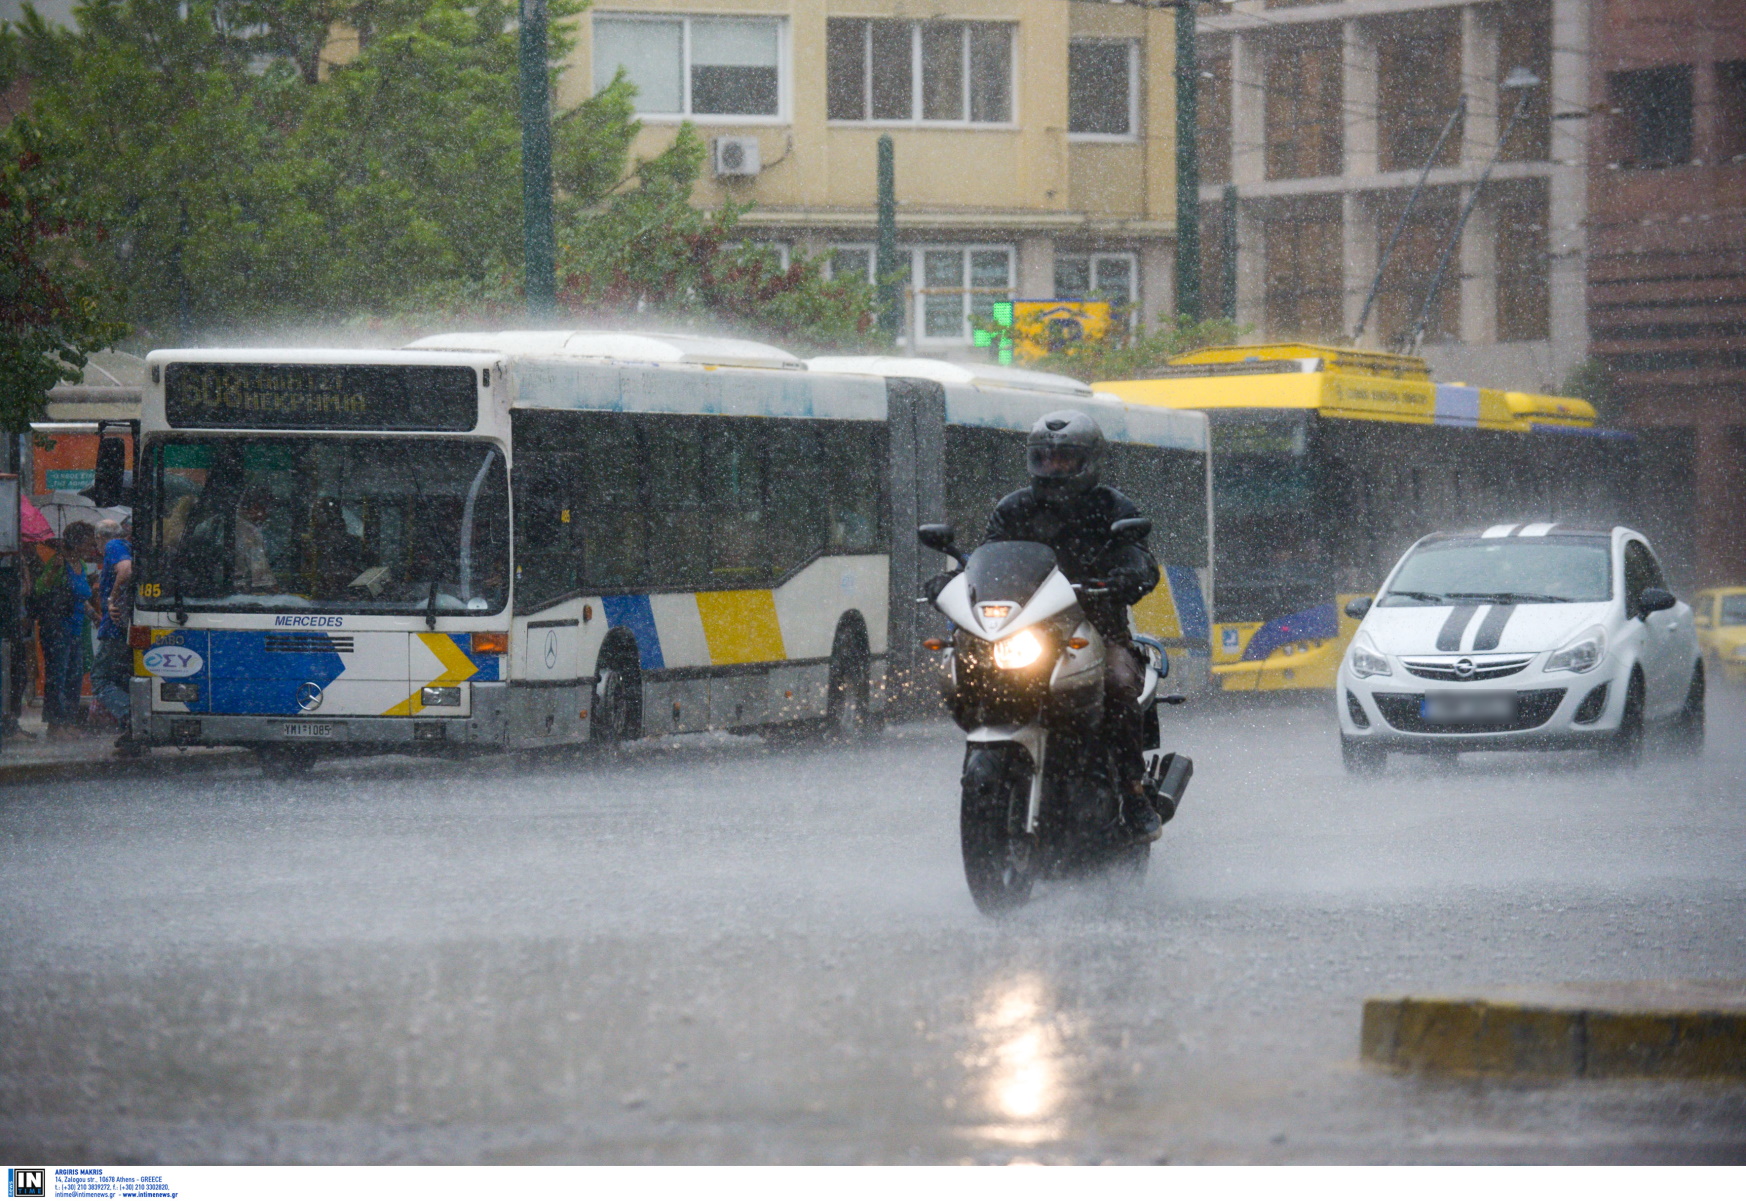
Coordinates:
[678,525]
[795,516]
[854,457]
[547,551]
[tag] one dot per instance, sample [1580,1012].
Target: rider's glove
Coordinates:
[933,587]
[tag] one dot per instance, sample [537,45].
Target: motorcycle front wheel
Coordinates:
[999,863]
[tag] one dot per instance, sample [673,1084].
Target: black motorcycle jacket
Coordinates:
[1076,528]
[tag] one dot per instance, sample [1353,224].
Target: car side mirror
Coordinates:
[1357,607]
[1137,528]
[1654,600]
[940,537]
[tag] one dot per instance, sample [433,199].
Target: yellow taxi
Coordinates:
[1721,630]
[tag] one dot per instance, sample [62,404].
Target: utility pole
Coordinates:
[538,242]
[885,252]
[1187,165]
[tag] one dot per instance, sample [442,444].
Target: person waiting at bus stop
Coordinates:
[112,672]
[1068,510]
[60,599]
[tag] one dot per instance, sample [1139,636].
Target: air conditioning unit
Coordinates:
[736,156]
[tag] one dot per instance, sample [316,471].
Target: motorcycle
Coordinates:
[1023,677]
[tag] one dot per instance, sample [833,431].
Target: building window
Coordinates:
[1302,281]
[1103,89]
[943,72]
[694,66]
[781,250]
[1731,112]
[847,261]
[1303,112]
[958,284]
[1418,85]
[1524,308]
[1213,114]
[1653,112]
[1096,277]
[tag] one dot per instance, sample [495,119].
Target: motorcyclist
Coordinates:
[1068,510]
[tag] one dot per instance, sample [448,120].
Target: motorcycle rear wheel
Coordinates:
[999,857]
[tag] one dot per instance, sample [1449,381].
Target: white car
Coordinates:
[1533,636]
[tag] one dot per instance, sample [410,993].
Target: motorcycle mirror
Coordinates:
[940,537]
[1357,607]
[1138,527]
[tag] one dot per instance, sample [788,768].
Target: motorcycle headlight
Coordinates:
[1582,653]
[1020,650]
[1367,661]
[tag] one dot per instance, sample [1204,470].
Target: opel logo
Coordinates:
[1464,669]
[309,696]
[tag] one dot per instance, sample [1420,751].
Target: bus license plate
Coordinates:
[1468,708]
[308,729]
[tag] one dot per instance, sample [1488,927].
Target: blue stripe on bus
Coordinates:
[635,615]
[1190,605]
[1457,404]
[1319,622]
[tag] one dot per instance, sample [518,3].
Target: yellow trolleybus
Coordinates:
[1329,462]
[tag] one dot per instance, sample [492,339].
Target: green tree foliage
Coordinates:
[54,308]
[247,184]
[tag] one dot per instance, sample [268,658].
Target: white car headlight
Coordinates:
[1020,650]
[1582,653]
[1367,661]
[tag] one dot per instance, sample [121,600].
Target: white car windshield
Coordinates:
[1503,571]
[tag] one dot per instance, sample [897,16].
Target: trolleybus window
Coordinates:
[1269,558]
[335,524]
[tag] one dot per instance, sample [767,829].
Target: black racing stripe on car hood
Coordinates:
[1492,628]
[1449,637]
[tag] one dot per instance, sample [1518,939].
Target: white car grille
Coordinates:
[1462,668]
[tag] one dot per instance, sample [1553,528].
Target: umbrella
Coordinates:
[33,526]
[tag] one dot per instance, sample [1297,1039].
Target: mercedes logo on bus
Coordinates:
[1464,669]
[309,696]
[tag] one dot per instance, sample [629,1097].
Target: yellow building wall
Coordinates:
[1029,170]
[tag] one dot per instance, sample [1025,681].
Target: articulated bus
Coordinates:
[1328,463]
[518,540]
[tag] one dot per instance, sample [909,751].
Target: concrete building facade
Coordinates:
[1316,121]
[1034,139]
[1667,255]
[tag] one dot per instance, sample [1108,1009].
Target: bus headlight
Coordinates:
[440,696]
[1368,662]
[1020,650]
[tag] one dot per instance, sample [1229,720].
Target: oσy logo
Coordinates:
[172,662]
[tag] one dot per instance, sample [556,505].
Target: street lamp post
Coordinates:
[1187,166]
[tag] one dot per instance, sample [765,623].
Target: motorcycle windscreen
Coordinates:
[1008,571]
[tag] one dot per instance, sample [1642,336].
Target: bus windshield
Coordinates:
[360,525]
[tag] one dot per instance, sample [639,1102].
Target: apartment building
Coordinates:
[1034,139]
[1667,254]
[1317,120]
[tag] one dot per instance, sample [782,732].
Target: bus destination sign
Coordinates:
[284,396]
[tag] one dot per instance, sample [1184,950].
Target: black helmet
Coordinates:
[1063,453]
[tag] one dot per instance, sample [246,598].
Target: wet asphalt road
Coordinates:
[711,951]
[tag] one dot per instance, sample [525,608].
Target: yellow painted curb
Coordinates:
[1686,1030]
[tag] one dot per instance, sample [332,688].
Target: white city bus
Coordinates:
[515,540]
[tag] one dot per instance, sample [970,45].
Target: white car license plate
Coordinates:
[308,729]
[1468,708]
